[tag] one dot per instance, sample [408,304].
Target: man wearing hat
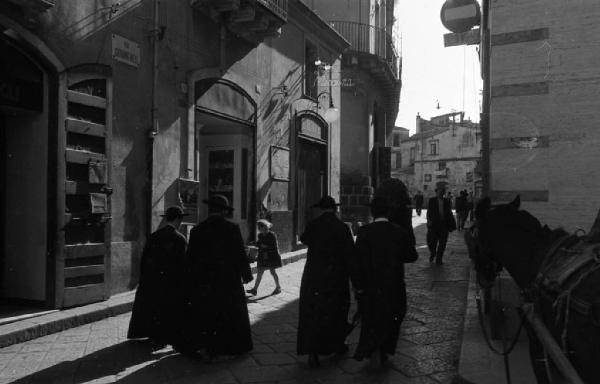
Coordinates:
[324,290]
[216,315]
[440,222]
[161,271]
[382,249]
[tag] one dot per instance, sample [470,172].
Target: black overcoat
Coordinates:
[215,314]
[382,249]
[434,219]
[160,276]
[325,286]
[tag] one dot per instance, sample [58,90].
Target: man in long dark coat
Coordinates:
[440,222]
[161,273]
[382,248]
[324,290]
[215,316]
[419,202]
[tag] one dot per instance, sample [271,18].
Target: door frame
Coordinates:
[32,46]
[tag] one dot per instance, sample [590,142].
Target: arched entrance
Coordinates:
[28,86]
[225,149]
[312,177]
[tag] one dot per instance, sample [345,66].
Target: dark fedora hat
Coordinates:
[173,213]
[326,202]
[218,201]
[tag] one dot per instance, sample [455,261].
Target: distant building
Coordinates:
[446,148]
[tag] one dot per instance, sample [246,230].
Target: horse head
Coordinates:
[505,235]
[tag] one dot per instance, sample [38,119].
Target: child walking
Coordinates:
[268,256]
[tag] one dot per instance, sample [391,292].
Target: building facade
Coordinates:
[117,110]
[370,79]
[447,149]
[544,109]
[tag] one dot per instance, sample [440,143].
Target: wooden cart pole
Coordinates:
[562,363]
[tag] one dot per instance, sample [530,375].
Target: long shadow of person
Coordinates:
[103,363]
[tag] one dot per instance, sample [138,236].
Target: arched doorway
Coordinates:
[27,90]
[312,176]
[225,131]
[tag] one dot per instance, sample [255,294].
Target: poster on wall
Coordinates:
[279,163]
[187,192]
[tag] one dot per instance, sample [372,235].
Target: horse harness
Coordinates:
[570,260]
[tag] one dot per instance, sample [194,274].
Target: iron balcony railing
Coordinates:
[278,7]
[367,38]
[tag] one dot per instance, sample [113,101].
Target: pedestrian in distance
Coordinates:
[324,288]
[382,249]
[215,314]
[162,267]
[470,205]
[268,256]
[419,202]
[461,210]
[440,222]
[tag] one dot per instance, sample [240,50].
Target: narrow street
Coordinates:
[427,351]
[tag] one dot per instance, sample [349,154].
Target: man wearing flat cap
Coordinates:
[324,290]
[216,315]
[162,263]
[382,248]
[440,222]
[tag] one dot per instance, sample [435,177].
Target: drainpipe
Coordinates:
[153,116]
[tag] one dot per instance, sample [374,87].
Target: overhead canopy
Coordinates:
[224,98]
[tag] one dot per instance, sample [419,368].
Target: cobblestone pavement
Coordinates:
[427,351]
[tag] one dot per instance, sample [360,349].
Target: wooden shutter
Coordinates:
[83,268]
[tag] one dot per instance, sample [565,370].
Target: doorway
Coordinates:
[312,179]
[224,155]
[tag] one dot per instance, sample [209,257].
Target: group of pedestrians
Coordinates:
[194,300]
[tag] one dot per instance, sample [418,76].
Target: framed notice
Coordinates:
[279,163]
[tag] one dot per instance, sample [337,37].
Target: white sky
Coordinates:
[431,72]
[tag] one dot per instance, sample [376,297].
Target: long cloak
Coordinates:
[324,290]
[161,272]
[215,313]
[382,248]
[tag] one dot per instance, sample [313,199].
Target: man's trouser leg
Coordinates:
[432,243]
[442,238]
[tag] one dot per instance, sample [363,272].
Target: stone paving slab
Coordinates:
[427,351]
[35,327]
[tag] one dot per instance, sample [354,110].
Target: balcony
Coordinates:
[372,49]
[252,20]
[368,39]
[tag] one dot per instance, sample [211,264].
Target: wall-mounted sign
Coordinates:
[279,163]
[125,51]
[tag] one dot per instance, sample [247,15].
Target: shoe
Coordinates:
[277,291]
[251,291]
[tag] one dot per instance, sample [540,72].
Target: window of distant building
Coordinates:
[433,147]
[396,140]
[442,166]
[311,55]
[467,139]
[425,187]
[427,177]
[398,160]
[412,155]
